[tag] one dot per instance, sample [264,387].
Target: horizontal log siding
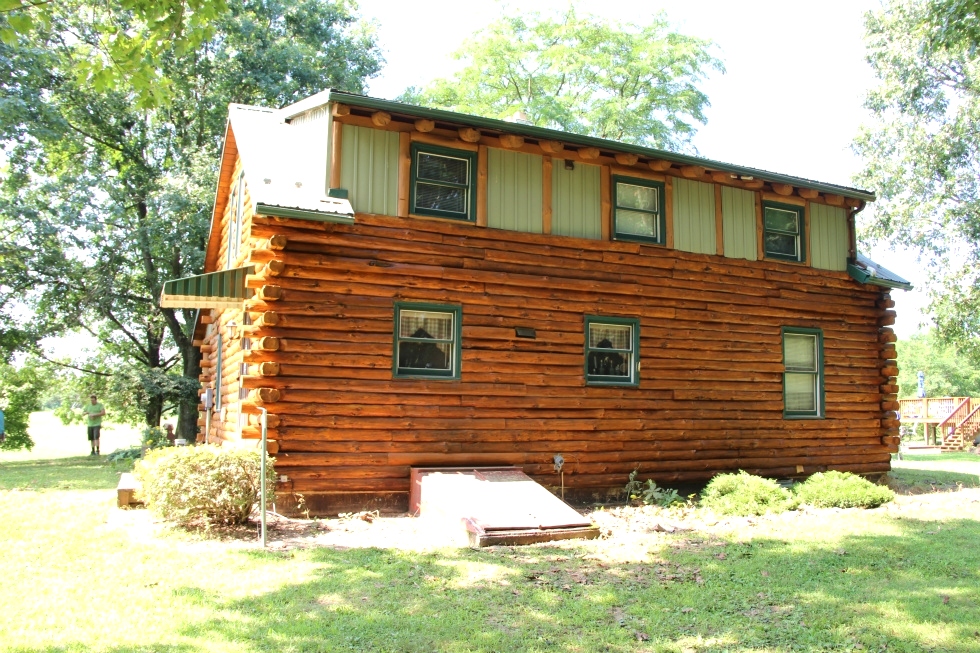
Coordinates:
[710,395]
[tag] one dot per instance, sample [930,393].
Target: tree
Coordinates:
[627,82]
[102,199]
[20,395]
[922,149]
[124,39]
[949,372]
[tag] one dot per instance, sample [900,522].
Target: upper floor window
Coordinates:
[639,210]
[443,182]
[235,221]
[803,372]
[427,340]
[612,347]
[783,231]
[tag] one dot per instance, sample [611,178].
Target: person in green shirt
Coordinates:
[95,412]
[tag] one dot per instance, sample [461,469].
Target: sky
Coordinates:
[790,101]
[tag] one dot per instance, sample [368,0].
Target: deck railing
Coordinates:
[959,414]
[929,409]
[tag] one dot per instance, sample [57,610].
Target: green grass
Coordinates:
[79,575]
[958,456]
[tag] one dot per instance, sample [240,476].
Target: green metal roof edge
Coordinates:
[168,286]
[862,276]
[587,141]
[324,216]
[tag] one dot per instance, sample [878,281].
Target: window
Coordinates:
[612,348]
[639,210]
[783,231]
[443,182]
[235,221]
[427,340]
[803,372]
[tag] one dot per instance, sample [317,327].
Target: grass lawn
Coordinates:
[79,575]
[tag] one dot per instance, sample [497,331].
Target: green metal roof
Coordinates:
[864,270]
[532,131]
[224,289]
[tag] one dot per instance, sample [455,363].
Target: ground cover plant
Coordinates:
[745,494]
[80,575]
[841,490]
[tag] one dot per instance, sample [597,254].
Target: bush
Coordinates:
[203,485]
[842,490]
[744,494]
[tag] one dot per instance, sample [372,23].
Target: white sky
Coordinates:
[790,101]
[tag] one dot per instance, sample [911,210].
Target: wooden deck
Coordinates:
[954,420]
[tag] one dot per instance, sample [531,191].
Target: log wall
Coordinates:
[710,393]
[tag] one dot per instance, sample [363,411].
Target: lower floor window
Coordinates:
[427,340]
[611,350]
[803,372]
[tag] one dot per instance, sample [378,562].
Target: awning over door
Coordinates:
[224,289]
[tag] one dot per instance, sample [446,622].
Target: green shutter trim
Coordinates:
[369,169]
[514,187]
[224,289]
[694,217]
[738,223]
[828,237]
[576,204]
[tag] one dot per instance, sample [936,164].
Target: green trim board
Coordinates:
[802,371]
[639,210]
[443,190]
[618,361]
[781,234]
[223,289]
[315,216]
[422,353]
[503,126]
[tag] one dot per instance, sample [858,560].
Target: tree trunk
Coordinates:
[188,411]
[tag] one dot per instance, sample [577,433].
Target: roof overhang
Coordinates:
[224,289]
[864,270]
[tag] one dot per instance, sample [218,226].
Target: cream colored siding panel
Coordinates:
[369,169]
[576,205]
[694,217]
[514,191]
[828,237]
[738,223]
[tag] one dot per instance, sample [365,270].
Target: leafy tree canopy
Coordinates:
[20,395]
[922,149]
[119,42]
[622,81]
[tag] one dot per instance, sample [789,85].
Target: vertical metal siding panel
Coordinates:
[575,205]
[694,216]
[738,222]
[369,169]
[514,191]
[828,237]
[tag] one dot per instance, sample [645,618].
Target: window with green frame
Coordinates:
[639,210]
[427,340]
[612,350]
[783,231]
[803,394]
[443,182]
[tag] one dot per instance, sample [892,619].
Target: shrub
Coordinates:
[744,494]
[842,490]
[202,485]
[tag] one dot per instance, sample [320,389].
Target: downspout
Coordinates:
[265,444]
[852,232]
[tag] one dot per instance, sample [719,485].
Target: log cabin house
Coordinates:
[400,286]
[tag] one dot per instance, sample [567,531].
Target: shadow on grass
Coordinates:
[78,473]
[918,481]
[912,590]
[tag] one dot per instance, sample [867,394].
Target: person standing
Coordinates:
[95,412]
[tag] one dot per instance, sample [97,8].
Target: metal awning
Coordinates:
[224,289]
